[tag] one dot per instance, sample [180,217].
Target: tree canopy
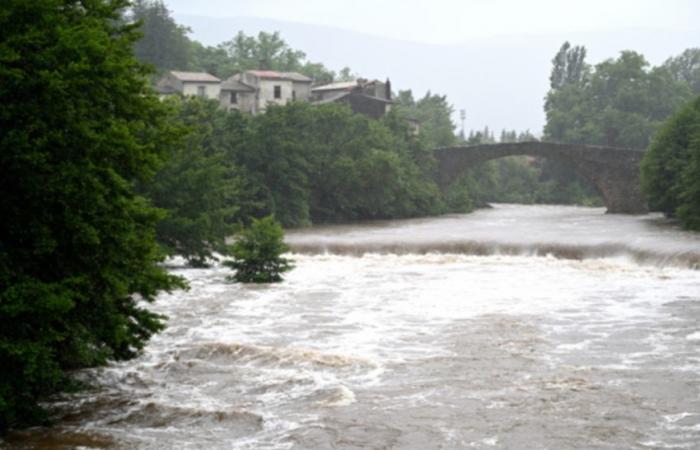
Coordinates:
[671,167]
[198,187]
[164,43]
[620,102]
[78,255]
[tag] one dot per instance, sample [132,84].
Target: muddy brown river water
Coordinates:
[518,327]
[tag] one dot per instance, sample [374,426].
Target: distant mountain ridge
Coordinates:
[500,82]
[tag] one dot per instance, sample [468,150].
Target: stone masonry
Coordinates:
[614,171]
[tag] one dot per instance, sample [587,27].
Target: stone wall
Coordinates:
[614,171]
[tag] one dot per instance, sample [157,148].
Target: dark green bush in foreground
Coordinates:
[257,253]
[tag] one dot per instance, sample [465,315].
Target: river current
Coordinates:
[516,327]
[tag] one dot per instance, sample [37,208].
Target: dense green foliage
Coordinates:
[77,249]
[198,187]
[327,164]
[164,43]
[257,253]
[266,51]
[671,167]
[686,68]
[620,103]
[434,113]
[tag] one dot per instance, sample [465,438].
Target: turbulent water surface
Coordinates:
[515,327]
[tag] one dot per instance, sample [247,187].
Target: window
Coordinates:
[201,91]
[234,98]
[294,95]
[278,91]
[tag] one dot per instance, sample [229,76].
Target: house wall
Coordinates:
[367,105]
[266,93]
[212,90]
[246,101]
[303,90]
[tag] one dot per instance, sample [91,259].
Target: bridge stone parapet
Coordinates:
[614,171]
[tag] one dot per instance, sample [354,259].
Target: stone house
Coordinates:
[253,90]
[369,97]
[199,84]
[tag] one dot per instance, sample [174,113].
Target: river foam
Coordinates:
[416,350]
[561,231]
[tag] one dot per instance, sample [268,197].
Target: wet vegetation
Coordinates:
[257,253]
[78,255]
[102,180]
[671,167]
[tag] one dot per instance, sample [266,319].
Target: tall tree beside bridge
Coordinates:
[621,102]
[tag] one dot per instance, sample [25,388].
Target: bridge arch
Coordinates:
[614,171]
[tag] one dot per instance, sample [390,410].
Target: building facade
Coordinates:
[369,97]
[195,84]
[253,91]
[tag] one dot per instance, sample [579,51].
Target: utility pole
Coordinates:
[462,116]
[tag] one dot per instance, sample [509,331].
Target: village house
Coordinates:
[253,90]
[198,84]
[369,97]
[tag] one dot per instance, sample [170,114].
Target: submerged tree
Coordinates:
[78,255]
[258,251]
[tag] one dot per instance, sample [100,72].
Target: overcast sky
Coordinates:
[490,57]
[455,21]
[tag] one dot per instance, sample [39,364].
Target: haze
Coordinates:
[491,58]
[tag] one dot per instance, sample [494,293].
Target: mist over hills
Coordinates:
[500,82]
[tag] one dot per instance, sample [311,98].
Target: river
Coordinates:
[516,327]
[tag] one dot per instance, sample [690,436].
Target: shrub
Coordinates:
[257,253]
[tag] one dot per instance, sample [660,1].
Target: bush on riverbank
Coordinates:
[671,167]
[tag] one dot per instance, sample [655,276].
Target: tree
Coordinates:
[78,257]
[198,187]
[257,253]
[686,68]
[434,113]
[671,167]
[164,43]
[569,66]
[213,60]
[267,51]
[276,160]
[621,103]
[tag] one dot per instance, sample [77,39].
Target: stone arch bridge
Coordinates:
[614,171]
